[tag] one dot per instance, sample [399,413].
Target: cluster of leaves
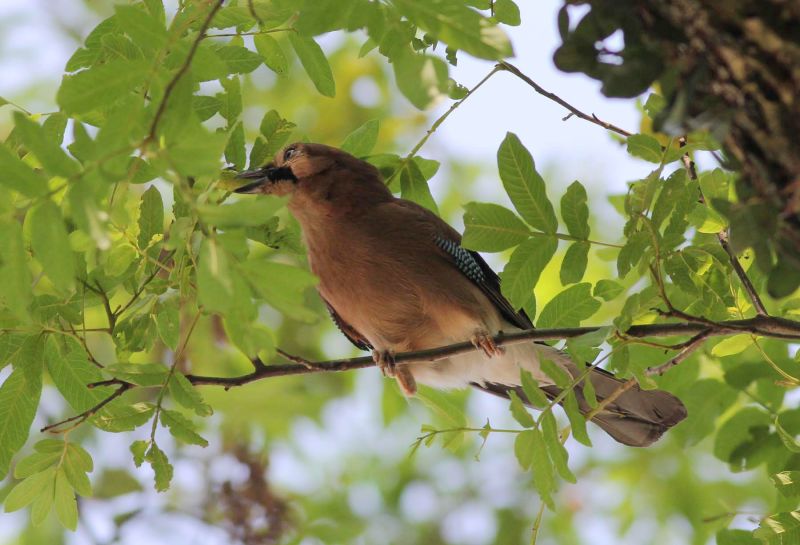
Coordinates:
[655,52]
[103,282]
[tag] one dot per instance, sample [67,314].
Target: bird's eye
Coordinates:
[289,153]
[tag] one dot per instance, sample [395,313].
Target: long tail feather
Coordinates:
[636,418]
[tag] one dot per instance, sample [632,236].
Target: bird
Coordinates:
[395,278]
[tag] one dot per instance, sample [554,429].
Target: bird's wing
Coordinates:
[349,331]
[468,262]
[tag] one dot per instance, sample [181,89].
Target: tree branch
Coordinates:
[759,325]
[557,99]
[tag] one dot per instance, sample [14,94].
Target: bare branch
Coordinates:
[759,325]
[557,99]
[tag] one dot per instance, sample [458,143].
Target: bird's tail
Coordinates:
[636,418]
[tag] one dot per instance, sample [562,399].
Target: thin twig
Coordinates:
[557,99]
[142,287]
[181,71]
[85,415]
[722,236]
[688,347]
[437,123]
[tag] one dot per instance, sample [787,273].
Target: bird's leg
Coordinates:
[482,340]
[384,359]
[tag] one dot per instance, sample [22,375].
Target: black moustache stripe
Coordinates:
[281,173]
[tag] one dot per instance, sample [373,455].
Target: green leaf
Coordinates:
[532,391]
[421,78]
[441,405]
[522,272]
[314,62]
[168,322]
[75,467]
[66,506]
[558,454]
[71,371]
[181,428]
[361,141]
[100,86]
[238,59]
[787,483]
[145,30]
[569,308]
[645,147]
[607,289]
[15,280]
[732,345]
[183,392]
[283,286]
[27,491]
[576,419]
[524,185]
[197,152]
[519,412]
[270,50]
[50,244]
[739,438]
[574,264]
[46,149]
[550,368]
[235,152]
[151,216]
[507,12]
[523,448]
[18,176]
[19,398]
[575,211]
[138,450]
[214,277]
[542,468]
[35,463]
[492,228]
[247,211]
[780,529]
[161,467]
[654,104]
[414,187]
[458,26]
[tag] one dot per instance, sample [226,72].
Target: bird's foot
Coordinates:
[384,359]
[484,341]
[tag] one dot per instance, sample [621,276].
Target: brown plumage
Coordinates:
[395,278]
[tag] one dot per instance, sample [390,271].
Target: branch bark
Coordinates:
[760,325]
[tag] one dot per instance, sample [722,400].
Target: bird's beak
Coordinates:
[264,176]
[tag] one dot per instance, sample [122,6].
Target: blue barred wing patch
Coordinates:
[464,260]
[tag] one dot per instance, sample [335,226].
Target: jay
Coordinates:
[395,278]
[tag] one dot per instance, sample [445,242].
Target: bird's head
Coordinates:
[315,174]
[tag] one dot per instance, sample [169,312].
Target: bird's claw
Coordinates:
[384,359]
[483,341]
